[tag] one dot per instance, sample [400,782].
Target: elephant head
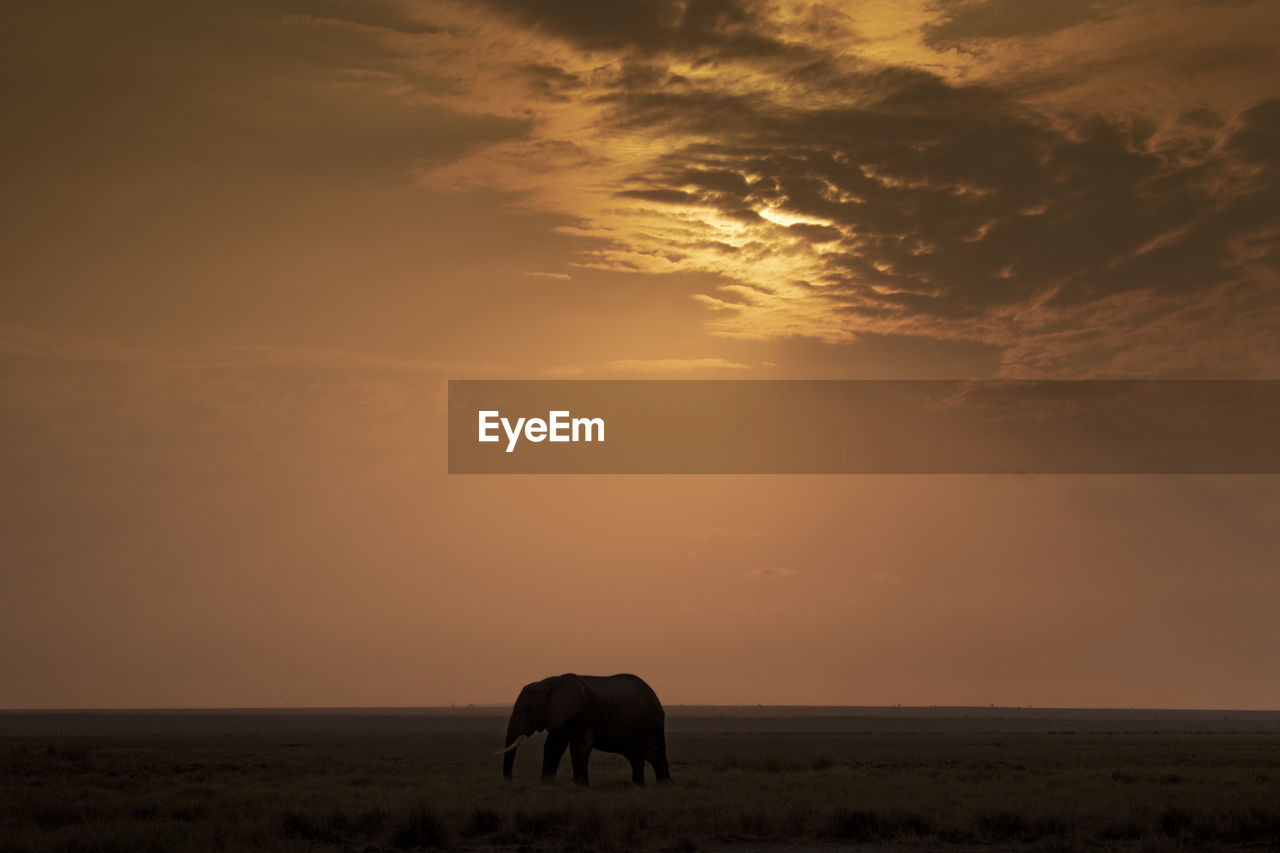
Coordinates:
[550,704]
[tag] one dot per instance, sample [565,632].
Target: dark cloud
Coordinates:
[551,81]
[972,20]
[1258,139]
[715,28]
[815,233]
[950,202]
[1234,55]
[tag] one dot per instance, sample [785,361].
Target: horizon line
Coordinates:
[505,706]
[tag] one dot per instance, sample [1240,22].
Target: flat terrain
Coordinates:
[369,789]
[681,719]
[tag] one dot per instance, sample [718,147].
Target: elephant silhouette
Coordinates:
[614,713]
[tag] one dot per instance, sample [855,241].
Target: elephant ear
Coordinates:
[568,699]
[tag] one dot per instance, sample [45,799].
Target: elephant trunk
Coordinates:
[515,734]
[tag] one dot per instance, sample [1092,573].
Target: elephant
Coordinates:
[614,713]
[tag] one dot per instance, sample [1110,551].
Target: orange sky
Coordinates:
[244,245]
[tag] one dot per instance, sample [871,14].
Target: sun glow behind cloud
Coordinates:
[871,167]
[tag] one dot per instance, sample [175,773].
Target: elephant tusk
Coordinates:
[514,744]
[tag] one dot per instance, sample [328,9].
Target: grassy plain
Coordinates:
[1140,792]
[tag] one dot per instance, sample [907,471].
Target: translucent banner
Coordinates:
[864,427]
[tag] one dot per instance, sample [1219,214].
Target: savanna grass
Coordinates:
[382,793]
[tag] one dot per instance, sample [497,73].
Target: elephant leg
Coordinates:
[657,755]
[552,750]
[637,769]
[579,753]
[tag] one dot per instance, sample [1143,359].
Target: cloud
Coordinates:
[837,197]
[289,86]
[964,21]
[651,367]
[726,28]
[767,572]
[831,173]
[366,13]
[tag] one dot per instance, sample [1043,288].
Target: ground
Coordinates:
[378,791]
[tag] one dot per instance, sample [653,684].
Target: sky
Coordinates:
[244,245]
